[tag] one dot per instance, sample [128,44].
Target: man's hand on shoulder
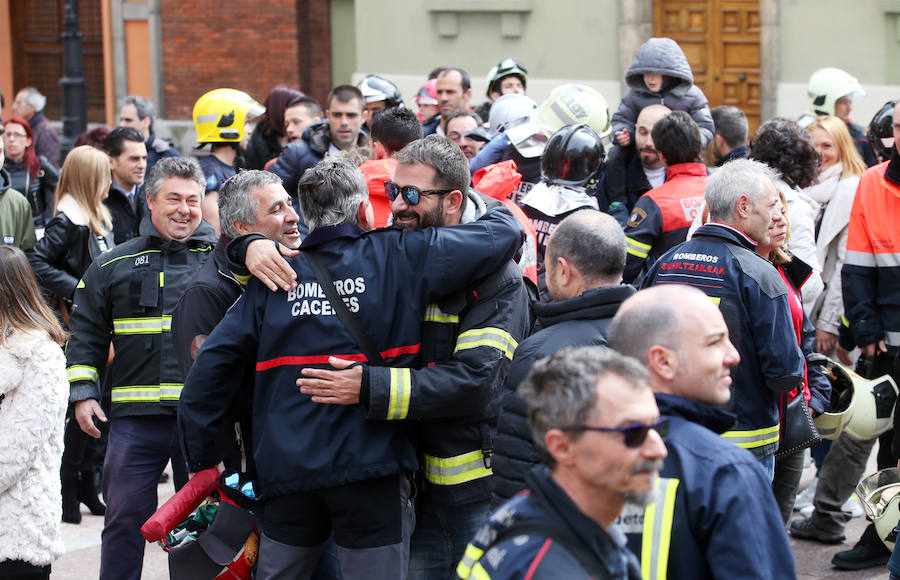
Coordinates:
[266,262]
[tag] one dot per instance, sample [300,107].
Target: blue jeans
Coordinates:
[441,535]
[768,463]
[138,450]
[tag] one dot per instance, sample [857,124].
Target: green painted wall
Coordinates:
[343,41]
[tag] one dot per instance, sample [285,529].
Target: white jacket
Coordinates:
[32,417]
[801,213]
[831,245]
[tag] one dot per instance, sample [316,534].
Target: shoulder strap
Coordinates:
[337,303]
[558,533]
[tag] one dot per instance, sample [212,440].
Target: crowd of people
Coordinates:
[507,340]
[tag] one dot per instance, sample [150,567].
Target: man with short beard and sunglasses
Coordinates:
[714,514]
[598,430]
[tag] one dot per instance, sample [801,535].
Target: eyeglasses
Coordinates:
[411,194]
[15,135]
[635,434]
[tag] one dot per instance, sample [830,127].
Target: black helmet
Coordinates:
[574,155]
[374,89]
[505,68]
[881,131]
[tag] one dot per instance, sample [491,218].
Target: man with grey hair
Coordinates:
[585,260]
[730,141]
[702,503]
[721,260]
[29,104]
[347,474]
[137,112]
[128,295]
[595,424]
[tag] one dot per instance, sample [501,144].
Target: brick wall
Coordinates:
[249,46]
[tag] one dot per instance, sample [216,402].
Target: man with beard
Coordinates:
[622,185]
[595,423]
[709,491]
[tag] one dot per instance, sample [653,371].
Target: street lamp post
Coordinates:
[74,105]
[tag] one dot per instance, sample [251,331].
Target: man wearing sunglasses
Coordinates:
[468,340]
[714,515]
[597,428]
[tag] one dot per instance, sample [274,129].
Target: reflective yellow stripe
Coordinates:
[130,256]
[455,470]
[82,373]
[434,314]
[656,539]
[401,387]
[479,573]
[150,325]
[469,559]
[147,393]
[636,248]
[845,322]
[244,280]
[715,299]
[492,337]
[80,284]
[162,279]
[751,439]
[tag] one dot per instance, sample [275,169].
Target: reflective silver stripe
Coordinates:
[873,260]
[454,470]
[892,338]
[656,539]
[469,559]
[82,373]
[147,393]
[492,337]
[636,248]
[149,325]
[207,118]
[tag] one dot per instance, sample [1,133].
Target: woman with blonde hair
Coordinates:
[33,395]
[839,169]
[78,233]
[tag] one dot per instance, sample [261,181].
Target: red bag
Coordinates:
[180,505]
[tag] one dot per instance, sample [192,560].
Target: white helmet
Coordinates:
[827,85]
[509,109]
[880,497]
[570,104]
[863,408]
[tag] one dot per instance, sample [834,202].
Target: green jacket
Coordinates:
[16,223]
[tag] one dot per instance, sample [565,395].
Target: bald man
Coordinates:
[628,176]
[714,514]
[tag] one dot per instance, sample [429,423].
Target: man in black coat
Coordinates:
[585,260]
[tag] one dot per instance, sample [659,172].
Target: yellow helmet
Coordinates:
[864,408]
[220,114]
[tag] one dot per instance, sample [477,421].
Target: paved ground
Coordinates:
[82,558]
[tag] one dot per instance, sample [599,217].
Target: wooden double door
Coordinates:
[721,41]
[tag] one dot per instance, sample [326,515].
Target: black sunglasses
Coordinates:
[634,434]
[411,193]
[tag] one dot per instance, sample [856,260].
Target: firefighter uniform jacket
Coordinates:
[714,515]
[498,553]
[752,297]
[468,342]
[661,217]
[870,277]
[386,279]
[127,296]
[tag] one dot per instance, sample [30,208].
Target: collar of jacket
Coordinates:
[325,234]
[36,119]
[560,507]
[5,181]
[740,152]
[797,271]
[203,234]
[589,305]
[727,233]
[221,260]
[716,419]
[892,173]
[115,189]
[318,137]
[686,170]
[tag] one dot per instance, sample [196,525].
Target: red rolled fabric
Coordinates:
[180,505]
